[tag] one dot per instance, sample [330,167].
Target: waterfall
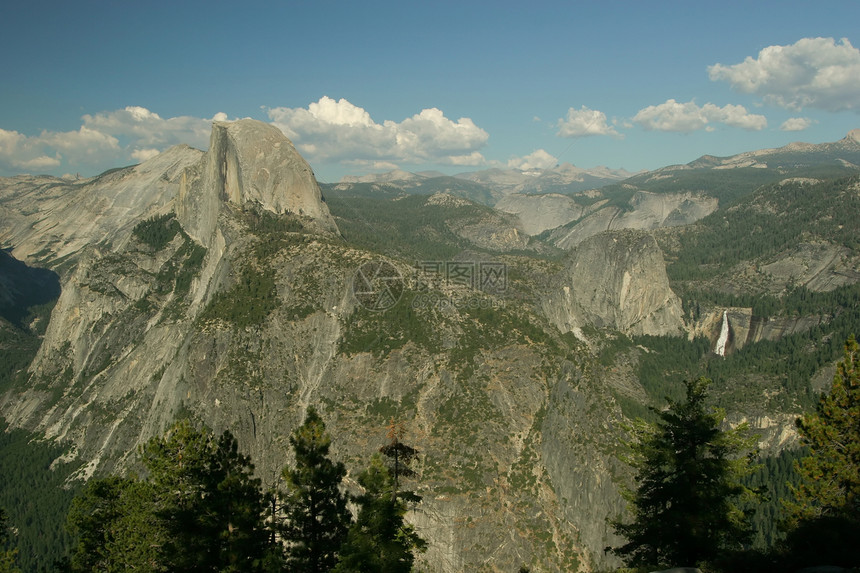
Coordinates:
[724,336]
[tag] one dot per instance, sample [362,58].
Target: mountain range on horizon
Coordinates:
[536,180]
[221,285]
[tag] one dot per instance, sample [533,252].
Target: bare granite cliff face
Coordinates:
[539,213]
[248,162]
[47,219]
[644,211]
[616,280]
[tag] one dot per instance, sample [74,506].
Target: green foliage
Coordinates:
[797,302]
[379,541]
[687,475]
[403,226]
[380,332]
[782,368]
[485,325]
[209,499]
[35,493]
[249,302]
[115,527]
[670,361]
[831,472]
[821,512]
[18,347]
[773,477]
[8,557]
[158,231]
[316,517]
[198,510]
[788,364]
[766,223]
[276,232]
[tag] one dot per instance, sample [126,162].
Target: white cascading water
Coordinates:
[724,336]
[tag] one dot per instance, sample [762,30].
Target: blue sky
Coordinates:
[452,86]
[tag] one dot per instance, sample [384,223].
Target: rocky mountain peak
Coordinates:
[616,279]
[853,136]
[248,162]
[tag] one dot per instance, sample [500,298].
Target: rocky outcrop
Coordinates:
[248,162]
[47,219]
[615,280]
[745,328]
[819,266]
[539,213]
[644,211]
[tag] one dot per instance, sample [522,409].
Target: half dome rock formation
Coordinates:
[248,162]
[616,279]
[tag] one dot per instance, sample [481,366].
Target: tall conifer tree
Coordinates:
[688,478]
[316,515]
[824,517]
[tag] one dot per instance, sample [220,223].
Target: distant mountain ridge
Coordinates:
[576,203]
[566,178]
[563,178]
[221,285]
[845,151]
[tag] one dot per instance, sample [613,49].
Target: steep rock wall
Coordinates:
[248,162]
[615,280]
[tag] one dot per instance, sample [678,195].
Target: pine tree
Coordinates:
[831,471]
[8,557]
[316,515]
[687,475]
[114,523]
[379,541]
[198,510]
[400,457]
[206,496]
[824,517]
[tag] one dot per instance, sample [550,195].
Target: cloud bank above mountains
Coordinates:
[813,73]
[330,130]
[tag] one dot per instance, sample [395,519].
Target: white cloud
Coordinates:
[687,117]
[796,124]
[813,72]
[584,122]
[472,159]
[147,128]
[21,153]
[82,145]
[103,140]
[144,154]
[538,159]
[330,130]
[374,165]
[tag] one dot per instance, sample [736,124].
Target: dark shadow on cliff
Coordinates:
[23,287]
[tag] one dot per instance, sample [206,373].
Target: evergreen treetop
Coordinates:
[688,474]
[316,515]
